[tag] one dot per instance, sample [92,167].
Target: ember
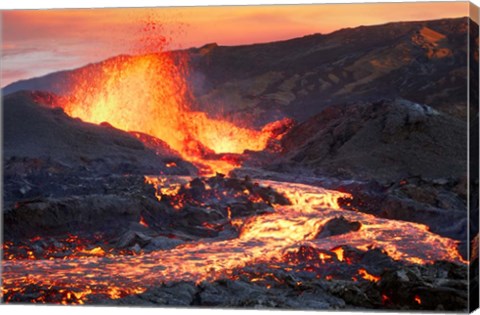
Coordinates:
[367,276]
[142,222]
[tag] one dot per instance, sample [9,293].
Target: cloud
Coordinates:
[11,75]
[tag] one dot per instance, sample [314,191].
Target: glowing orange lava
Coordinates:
[149,94]
[367,276]
[339,252]
[142,222]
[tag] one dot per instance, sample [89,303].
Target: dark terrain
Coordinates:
[36,134]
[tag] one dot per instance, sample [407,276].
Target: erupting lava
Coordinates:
[149,94]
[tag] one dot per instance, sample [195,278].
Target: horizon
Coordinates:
[47,41]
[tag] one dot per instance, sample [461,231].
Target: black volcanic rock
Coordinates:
[38,137]
[338,226]
[386,140]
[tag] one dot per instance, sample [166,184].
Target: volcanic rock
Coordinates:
[48,137]
[409,285]
[353,294]
[93,212]
[338,226]
[162,243]
[386,140]
[238,197]
[131,238]
[248,208]
[228,293]
[200,222]
[177,294]
[64,202]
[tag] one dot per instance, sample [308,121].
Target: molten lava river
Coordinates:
[275,240]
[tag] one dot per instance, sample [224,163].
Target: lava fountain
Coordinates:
[149,94]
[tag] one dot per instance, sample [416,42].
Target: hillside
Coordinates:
[39,137]
[420,61]
[387,140]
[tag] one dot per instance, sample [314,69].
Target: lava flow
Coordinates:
[284,239]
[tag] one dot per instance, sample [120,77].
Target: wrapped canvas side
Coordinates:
[473,154]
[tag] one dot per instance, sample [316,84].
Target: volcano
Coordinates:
[322,172]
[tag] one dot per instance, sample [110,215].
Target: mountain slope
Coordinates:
[421,61]
[37,135]
[387,140]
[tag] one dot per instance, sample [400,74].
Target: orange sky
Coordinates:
[36,42]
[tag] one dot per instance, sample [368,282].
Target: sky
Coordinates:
[37,42]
